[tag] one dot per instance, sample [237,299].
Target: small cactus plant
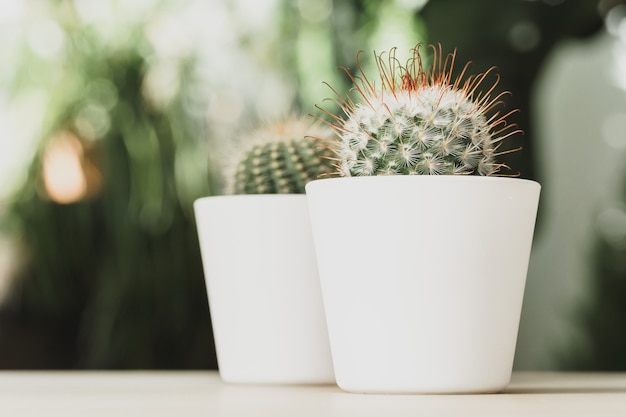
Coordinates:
[282,157]
[419,121]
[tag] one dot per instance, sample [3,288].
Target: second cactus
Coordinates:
[282,157]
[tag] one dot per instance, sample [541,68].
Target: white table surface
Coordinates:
[201,393]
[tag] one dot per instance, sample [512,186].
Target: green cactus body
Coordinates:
[282,159]
[419,123]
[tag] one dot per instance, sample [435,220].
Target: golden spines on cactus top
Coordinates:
[419,120]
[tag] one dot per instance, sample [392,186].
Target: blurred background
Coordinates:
[116,115]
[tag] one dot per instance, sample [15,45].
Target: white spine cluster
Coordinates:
[434,130]
[419,122]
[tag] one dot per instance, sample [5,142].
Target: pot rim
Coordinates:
[424,178]
[251,197]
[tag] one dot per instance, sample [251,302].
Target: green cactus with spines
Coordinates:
[419,121]
[282,157]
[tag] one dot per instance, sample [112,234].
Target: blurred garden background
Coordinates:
[115,115]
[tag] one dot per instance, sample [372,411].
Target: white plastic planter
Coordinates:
[423,279]
[263,288]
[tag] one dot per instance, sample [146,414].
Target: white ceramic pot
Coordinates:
[263,288]
[423,278]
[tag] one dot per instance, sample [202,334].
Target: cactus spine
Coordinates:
[282,157]
[419,121]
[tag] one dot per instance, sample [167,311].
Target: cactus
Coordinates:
[282,157]
[419,121]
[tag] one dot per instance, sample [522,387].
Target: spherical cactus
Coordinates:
[419,121]
[282,157]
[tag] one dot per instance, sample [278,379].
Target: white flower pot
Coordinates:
[263,288]
[423,278]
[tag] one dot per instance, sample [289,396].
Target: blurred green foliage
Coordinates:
[113,279]
[602,316]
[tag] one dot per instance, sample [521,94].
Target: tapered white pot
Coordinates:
[263,289]
[423,278]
